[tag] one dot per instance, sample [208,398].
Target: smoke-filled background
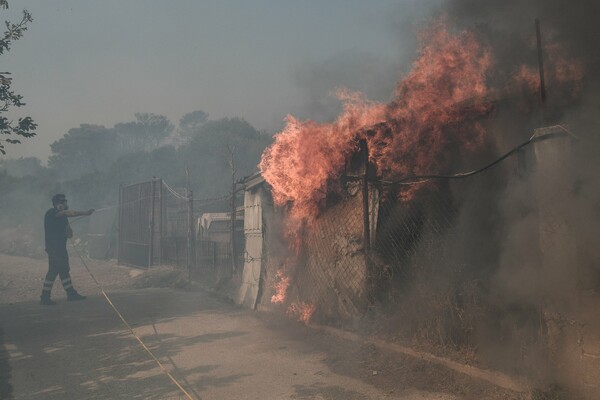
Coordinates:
[509,277]
[123,92]
[501,266]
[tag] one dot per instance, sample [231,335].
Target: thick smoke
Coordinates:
[357,71]
[574,23]
[547,267]
[368,72]
[518,261]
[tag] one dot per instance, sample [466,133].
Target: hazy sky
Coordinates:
[99,62]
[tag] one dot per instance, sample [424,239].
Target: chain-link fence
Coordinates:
[333,272]
[431,257]
[475,262]
[175,225]
[216,237]
[159,224]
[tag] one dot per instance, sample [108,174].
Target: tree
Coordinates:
[163,162]
[144,134]
[208,154]
[190,123]
[83,150]
[25,126]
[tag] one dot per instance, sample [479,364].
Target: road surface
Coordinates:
[81,350]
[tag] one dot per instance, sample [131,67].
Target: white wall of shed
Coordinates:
[253,231]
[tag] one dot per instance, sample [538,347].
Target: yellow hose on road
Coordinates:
[162,367]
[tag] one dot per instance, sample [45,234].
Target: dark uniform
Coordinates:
[56,227]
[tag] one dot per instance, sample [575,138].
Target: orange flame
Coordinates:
[563,74]
[303,312]
[406,136]
[306,154]
[432,100]
[433,119]
[281,287]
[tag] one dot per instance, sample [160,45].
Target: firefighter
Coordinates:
[57,230]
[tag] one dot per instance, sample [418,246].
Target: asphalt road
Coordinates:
[81,350]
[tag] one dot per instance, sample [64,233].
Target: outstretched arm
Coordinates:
[73,213]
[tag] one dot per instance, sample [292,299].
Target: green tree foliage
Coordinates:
[25,126]
[87,165]
[83,150]
[99,189]
[191,123]
[163,162]
[208,154]
[146,133]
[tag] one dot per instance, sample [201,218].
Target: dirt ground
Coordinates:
[323,364]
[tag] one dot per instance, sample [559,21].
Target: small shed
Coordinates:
[256,198]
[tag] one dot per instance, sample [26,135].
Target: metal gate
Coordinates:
[140,223]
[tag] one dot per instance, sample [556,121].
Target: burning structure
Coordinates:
[364,221]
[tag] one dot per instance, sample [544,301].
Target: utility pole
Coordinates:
[191,250]
[191,239]
[120,226]
[233,209]
[151,227]
[540,54]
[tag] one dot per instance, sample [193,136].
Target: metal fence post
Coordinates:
[191,248]
[119,224]
[364,149]
[233,218]
[162,210]
[152,205]
[371,281]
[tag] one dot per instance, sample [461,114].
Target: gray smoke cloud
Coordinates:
[547,267]
[367,73]
[573,23]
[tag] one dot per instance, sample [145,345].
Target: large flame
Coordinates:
[406,136]
[446,89]
[306,154]
[564,75]
[433,119]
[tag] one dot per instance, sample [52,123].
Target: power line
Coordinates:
[412,180]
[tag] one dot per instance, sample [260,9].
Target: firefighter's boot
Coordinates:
[72,295]
[46,301]
[46,290]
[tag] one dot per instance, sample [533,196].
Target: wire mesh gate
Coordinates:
[140,217]
[154,224]
[176,225]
